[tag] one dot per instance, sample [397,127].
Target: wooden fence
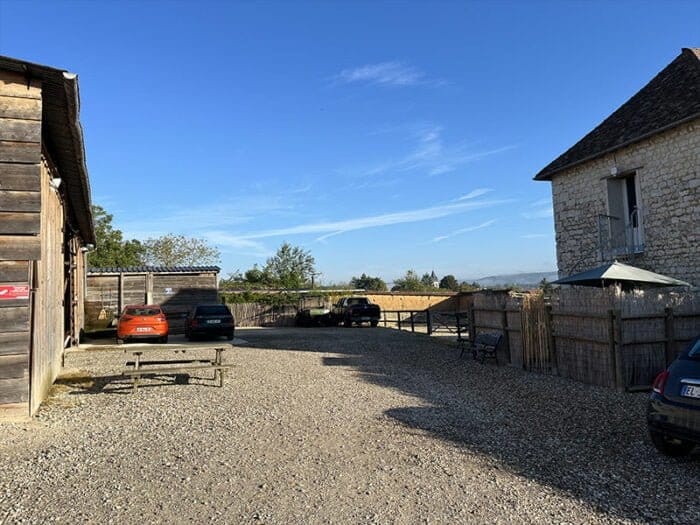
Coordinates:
[428,322]
[600,337]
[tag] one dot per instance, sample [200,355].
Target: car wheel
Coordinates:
[164,339]
[670,447]
[229,336]
[374,323]
[347,323]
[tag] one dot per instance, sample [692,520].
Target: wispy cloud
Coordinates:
[431,155]
[475,193]
[331,228]
[464,230]
[540,209]
[385,74]
[535,235]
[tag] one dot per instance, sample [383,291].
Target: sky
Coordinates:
[379,136]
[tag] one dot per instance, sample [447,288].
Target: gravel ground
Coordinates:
[335,425]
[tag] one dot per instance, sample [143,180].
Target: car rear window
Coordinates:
[143,311]
[213,310]
[361,300]
[694,352]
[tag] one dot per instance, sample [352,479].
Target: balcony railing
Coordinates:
[619,238]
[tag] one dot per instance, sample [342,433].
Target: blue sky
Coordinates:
[379,136]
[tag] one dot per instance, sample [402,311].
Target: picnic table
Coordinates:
[138,367]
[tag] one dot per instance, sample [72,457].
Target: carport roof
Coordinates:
[157,269]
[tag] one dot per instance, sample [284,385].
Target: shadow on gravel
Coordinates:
[118,384]
[587,441]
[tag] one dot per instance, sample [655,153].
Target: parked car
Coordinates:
[210,320]
[142,321]
[673,413]
[318,316]
[349,310]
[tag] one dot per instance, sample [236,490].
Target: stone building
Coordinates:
[630,189]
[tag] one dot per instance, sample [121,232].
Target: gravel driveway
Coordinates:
[336,425]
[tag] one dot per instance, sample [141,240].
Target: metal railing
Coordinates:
[618,238]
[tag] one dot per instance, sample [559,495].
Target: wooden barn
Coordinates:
[176,288]
[45,229]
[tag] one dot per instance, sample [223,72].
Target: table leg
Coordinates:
[137,366]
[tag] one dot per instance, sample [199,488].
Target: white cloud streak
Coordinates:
[383,74]
[475,193]
[464,230]
[331,228]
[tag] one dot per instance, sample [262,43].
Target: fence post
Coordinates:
[413,321]
[472,324]
[429,321]
[398,318]
[615,345]
[384,315]
[670,335]
[459,328]
[504,328]
[549,327]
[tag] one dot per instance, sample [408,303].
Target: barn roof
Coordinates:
[157,269]
[62,135]
[671,98]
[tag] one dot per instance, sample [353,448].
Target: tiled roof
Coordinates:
[157,269]
[671,98]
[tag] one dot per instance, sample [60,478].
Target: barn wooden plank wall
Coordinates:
[47,346]
[20,225]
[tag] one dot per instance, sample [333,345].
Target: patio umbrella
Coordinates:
[618,273]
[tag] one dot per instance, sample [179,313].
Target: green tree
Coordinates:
[546,286]
[368,283]
[111,249]
[178,250]
[410,282]
[290,267]
[427,281]
[256,276]
[466,287]
[449,282]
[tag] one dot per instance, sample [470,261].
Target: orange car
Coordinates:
[142,321]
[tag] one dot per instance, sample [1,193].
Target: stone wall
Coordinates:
[668,168]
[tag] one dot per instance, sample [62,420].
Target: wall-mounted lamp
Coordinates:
[55,183]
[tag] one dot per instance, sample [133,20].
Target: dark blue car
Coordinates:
[673,413]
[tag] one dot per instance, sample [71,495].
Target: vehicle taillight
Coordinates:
[660,382]
[194,322]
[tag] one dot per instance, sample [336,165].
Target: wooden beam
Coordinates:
[23,177]
[14,343]
[20,130]
[27,152]
[14,271]
[20,248]
[13,366]
[20,200]
[14,390]
[20,108]
[16,85]
[14,319]
[20,222]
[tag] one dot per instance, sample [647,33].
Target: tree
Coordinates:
[178,250]
[111,250]
[290,267]
[368,283]
[466,287]
[449,282]
[410,282]
[427,280]
[546,286]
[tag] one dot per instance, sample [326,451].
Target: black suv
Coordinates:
[209,320]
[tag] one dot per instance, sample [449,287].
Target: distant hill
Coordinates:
[521,279]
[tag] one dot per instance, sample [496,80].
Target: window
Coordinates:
[624,220]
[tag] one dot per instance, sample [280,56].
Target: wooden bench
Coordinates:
[138,368]
[484,346]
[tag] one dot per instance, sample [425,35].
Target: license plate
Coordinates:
[214,321]
[143,329]
[691,391]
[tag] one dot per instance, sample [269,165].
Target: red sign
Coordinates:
[14,292]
